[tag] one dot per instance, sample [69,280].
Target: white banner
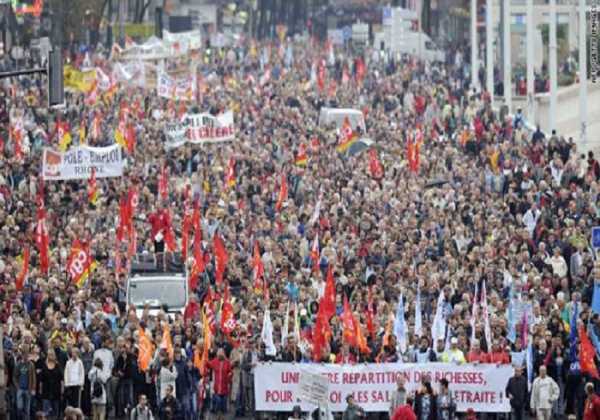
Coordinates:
[77,163]
[199,129]
[480,387]
[183,89]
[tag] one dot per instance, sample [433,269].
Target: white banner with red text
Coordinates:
[77,163]
[480,387]
[199,129]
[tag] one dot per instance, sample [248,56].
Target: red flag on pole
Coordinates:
[22,276]
[258,269]
[328,301]
[163,182]
[41,239]
[220,257]
[587,354]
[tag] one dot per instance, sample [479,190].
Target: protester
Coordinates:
[141,411]
[98,382]
[353,411]
[516,392]
[399,397]
[544,392]
[592,403]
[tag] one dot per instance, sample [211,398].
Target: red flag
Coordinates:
[345,76]
[332,89]
[197,266]
[587,354]
[80,263]
[163,182]
[130,138]
[321,76]
[360,70]
[220,257]
[168,233]
[42,239]
[209,311]
[259,269]
[314,253]
[185,234]
[228,322]
[301,158]
[230,174]
[321,332]
[283,193]
[22,276]
[314,145]
[349,324]
[328,301]
[197,223]
[370,315]
[375,166]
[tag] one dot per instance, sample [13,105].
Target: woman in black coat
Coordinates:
[426,402]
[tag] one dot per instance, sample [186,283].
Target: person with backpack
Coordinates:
[98,379]
[141,411]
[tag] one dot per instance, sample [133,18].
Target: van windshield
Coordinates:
[157,292]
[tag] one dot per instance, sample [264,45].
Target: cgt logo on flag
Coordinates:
[52,164]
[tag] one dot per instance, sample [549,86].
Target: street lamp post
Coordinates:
[507,57]
[489,50]
[530,61]
[553,65]
[474,47]
[582,72]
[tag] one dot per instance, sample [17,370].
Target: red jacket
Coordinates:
[480,357]
[499,357]
[222,375]
[592,408]
[158,220]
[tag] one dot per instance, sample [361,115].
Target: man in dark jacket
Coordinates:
[169,408]
[516,392]
[183,383]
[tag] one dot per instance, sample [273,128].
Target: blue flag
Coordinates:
[530,363]
[512,325]
[573,334]
[593,337]
[596,299]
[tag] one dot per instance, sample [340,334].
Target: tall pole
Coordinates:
[474,47]
[507,58]
[489,51]
[552,67]
[582,73]
[530,61]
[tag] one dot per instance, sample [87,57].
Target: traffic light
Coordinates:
[56,91]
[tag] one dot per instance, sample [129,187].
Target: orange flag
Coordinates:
[146,351]
[349,324]
[283,193]
[20,281]
[207,342]
[167,342]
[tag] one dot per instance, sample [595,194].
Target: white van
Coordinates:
[337,116]
[151,285]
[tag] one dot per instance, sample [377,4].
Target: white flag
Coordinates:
[418,319]
[486,318]
[267,335]
[286,324]
[400,330]
[438,328]
[474,312]
[315,216]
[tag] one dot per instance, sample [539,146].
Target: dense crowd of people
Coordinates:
[479,202]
